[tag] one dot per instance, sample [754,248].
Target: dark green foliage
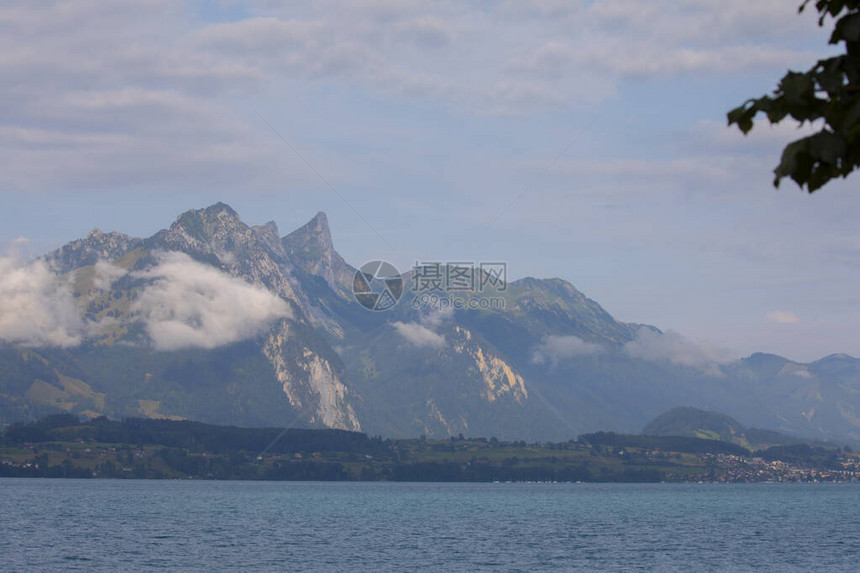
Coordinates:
[63,446]
[193,436]
[39,431]
[829,91]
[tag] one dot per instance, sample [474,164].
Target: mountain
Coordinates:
[96,246]
[695,423]
[284,371]
[213,320]
[310,248]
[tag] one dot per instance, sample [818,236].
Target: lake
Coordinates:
[110,525]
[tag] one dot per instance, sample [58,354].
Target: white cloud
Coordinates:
[105,274]
[193,305]
[419,335]
[37,307]
[185,304]
[554,348]
[799,370]
[782,317]
[672,347]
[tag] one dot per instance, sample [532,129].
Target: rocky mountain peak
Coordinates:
[270,228]
[204,224]
[216,235]
[311,249]
[557,286]
[95,246]
[220,208]
[269,235]
[314,237]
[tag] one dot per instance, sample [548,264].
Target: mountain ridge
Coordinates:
[550,364]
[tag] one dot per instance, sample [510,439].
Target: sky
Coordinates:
[585,140]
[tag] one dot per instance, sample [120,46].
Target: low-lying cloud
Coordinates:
[193,305]
[186,304]
[672,347]
[419,335]
[436,317]
[105,274]
[37,307]
[554,348]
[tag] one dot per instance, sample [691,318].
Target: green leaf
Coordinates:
[827,147]
[851,123]
[847,29]
[797,88]
[743,116]
[830,90]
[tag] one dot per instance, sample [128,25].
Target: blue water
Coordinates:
[107,525]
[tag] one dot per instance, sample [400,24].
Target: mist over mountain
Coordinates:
[214,320]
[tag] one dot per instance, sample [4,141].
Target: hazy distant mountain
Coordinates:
[695,423]
[216,321]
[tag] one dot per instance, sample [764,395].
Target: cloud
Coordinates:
[105,274]
[799,370]
[554,348]
[155,108]
[782,317]
[620,58]
[37,307]
[167,89]
[419,335]
[436,317]
[186,304]
[192,305]
[672,347]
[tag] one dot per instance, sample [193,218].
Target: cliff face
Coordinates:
[310,248]
[312,384]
